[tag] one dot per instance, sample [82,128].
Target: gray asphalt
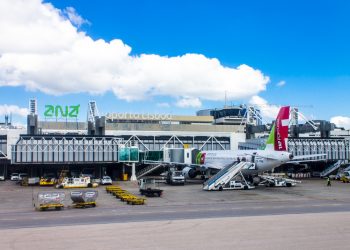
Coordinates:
[178,203]
[303,231]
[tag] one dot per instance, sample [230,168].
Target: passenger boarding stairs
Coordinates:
[225,175]
[331,168]
[148,170]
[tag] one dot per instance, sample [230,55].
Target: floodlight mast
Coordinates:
[92,111]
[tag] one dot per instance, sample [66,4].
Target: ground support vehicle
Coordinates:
[81,182]
[125,196]
[132,199]
[84,198]
[136,201]
[29,181]
[149,188]
[345,178]
[175,177]
[21,176]
[47,181]
[271,181]
[110,189]
[237,185]
[49,200]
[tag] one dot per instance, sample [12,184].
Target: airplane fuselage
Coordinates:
[264,160]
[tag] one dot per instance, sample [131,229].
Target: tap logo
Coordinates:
[200,158]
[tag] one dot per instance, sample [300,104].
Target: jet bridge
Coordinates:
[222,179]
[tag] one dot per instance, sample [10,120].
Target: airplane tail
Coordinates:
[279,132]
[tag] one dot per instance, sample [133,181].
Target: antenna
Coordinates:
[225,98]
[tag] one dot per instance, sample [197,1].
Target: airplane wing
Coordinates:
[301,157]
[305,158]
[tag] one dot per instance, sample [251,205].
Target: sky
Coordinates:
[148,56]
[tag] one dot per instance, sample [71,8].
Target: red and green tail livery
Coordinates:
[279,132]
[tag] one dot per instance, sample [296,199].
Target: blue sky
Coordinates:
[306,44]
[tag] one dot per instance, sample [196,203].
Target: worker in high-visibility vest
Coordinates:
[329,182]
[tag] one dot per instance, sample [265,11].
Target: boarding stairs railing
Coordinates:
[225,175]
[148,170]
[331,168]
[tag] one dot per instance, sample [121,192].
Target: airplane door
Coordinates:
[253,161]
[253,157]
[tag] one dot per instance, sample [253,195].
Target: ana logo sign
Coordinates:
[61,111]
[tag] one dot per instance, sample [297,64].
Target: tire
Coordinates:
[245,188]
[89,185]
[288,184]
[220,188]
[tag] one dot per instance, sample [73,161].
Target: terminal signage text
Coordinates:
[61,111]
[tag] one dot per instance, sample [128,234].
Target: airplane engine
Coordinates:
[189,173]
[256,180]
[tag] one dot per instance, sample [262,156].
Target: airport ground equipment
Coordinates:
[29,181]
[148,170]
[47,181]
[238,185]
[175,177]
[84,198]
[340,173]
[273,181]
[331,168]
[222,179]
[150,188]
[48,200]
[345,178]
[125,196]
[81,182]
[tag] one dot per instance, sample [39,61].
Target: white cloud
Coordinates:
[189,102]
[163,105]
[268,111]
[281,83]
[74,17]
[41,49]
[13,109]
[341,121]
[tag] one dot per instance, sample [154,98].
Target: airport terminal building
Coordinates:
[58,141]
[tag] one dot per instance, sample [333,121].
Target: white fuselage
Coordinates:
[265,160]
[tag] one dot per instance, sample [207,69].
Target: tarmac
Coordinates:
[303,231]
[307,216]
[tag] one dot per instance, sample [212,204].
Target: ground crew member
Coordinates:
[329,182]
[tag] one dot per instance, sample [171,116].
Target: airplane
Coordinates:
[274,154]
